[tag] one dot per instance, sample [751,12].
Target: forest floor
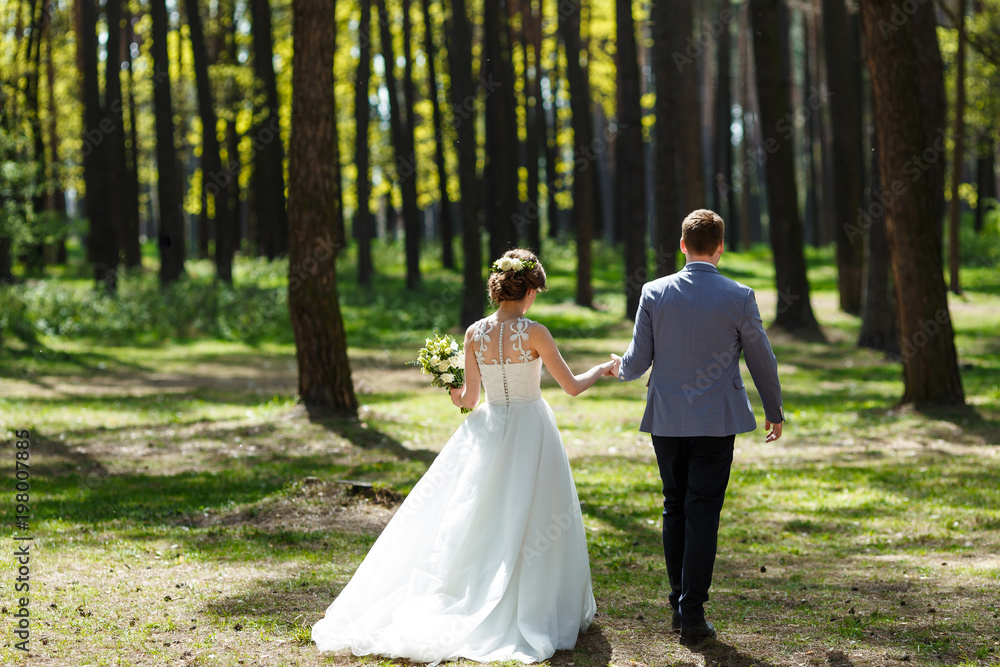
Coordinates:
[187,511]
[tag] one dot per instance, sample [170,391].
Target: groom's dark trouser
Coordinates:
[695,473]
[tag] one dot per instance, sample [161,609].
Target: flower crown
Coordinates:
[512,264]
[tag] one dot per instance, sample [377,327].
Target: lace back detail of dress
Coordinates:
[505,379]
[518,338]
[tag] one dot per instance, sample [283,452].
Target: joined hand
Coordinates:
[616,364]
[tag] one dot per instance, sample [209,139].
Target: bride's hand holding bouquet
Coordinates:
[443,358]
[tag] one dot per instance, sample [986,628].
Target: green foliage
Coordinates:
[145,312]
[14,318]
[17,187]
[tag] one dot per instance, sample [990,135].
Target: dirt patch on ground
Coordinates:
[314,505]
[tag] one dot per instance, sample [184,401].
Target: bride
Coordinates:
[486,559]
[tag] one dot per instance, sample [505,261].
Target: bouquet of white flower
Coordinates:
[442,357]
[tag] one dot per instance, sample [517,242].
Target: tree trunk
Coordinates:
[269,170]
[113,104]
[551,138]
[879,329]
[233,166]
[631,190]
[930,364]
[339,224]
[810,138]
[313,304]
[722,180]
[755,196]
[130,233]
[171,236]
[933,103]
[958,159]
[6,260]
[34,255]
[57,194]
[463,100]
[584,170]
[848,161]
[211,162]
[666,194]
[687,111]
[794,311]
[531,227]
[402,141]
[102,242]
[362,115]
[986,181]
[447,226]
[749,215]
[411,211]
[500,172]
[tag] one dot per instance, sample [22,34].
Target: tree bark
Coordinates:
[958,157]
[102,242]
[56,194]
[631,190]
[211,161]
[534,121]
[551,138]
[411,212]
[930,364]
[666,194]
[402,141]
[113,109]
[171,236]
[584,170]
[879,329]
[233,166]
[687,110]
[986,182]
[447,226]
[269,170]
[721,185]
[500,200]
[463,99]
[130,236]
[6,260]
[313,303]
[34,254]
[933,104]
[339,224]
[362,115]
[794,310]
[848,161]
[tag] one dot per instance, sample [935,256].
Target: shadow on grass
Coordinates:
[592,648]
[719,653]
[967,418]
[360,434]
[27,362]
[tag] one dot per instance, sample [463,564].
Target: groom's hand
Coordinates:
[773,430]
[617,365]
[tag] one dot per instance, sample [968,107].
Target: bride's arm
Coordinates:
[467,396]
[542,342]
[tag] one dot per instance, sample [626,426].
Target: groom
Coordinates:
[691,327]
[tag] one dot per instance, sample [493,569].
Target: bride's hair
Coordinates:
[514,285]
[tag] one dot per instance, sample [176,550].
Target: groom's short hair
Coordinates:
[703,231]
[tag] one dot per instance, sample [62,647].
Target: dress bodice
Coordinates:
[498,344]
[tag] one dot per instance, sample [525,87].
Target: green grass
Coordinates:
[175,463]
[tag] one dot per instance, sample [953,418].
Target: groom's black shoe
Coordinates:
[675,621]
[694,634]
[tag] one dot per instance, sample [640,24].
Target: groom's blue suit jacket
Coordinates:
[691,327]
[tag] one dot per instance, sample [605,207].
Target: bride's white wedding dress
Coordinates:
[486,559]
